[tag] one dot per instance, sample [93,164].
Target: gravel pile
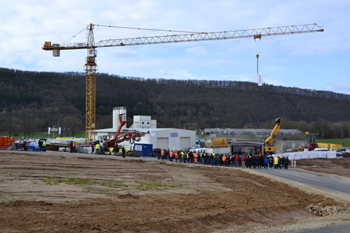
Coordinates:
[319,210]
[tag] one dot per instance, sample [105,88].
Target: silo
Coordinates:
[116,112]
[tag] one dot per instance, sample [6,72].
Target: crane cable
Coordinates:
[147,29]
[257,44]
[72,37]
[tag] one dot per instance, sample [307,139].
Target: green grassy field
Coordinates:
[335,141]
[44,135]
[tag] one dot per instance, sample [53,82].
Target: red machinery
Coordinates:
[130,136]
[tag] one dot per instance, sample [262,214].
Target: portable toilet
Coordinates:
[144,150]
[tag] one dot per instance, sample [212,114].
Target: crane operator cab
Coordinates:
[92,53]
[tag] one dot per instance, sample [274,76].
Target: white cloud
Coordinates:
[26,25]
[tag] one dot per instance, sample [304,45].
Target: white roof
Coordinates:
[114,130]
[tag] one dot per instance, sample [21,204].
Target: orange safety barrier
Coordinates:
[5,142]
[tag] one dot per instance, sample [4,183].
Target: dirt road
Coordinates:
[55,194]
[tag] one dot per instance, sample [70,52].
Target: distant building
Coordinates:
[256,134]
[164,138]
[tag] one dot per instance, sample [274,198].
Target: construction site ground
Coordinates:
[339,167]
[40,192]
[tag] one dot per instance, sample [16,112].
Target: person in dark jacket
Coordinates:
[283,161]
[270,161]
[286,162]
[123,152]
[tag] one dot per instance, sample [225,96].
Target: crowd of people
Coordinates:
[237,160]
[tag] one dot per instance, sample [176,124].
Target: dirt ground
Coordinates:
[339,167]
[56,194]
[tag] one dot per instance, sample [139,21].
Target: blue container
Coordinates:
[144,150]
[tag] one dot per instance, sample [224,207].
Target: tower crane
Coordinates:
[91,66]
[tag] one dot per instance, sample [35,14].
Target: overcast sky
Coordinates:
[311,60]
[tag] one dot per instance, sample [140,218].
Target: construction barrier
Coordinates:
[309,155]
[5,142]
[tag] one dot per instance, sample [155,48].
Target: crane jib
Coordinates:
[203,36]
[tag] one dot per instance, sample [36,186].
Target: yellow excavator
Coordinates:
[269,148]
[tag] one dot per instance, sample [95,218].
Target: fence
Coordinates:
[309,155]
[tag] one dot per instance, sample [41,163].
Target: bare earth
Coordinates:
[56,194]
[339,167]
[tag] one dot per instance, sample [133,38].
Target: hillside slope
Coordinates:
[48,98]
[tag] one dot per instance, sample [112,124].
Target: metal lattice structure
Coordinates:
[91,66]
[90,69]
[205,36]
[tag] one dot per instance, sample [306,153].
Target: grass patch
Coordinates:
[73,202]
[51,181]
[79,181]
[153,185]
[83,181]
[80,134]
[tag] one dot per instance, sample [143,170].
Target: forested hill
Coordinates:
[47,99]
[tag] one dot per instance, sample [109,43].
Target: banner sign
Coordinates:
[260,80]
[174,135]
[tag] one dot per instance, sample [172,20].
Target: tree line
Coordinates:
[32,101]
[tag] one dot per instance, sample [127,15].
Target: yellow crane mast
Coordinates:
[91,66]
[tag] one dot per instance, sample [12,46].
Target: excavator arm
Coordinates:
[268,141]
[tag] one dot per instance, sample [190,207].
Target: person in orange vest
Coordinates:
[224,160]
[176,156]
[195,156]
[162,154]
[171,154]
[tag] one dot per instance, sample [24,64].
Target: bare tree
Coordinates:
[72,125]
[26,122]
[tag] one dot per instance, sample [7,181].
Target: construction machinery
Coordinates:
[90,45]
[130,136]
[269,147]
